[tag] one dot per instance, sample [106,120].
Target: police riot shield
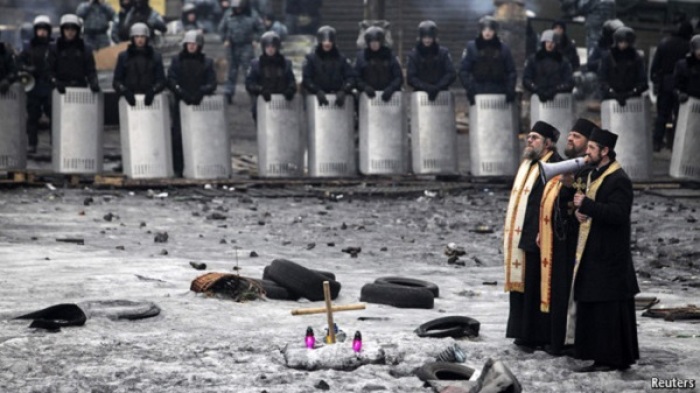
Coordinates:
[493,141]
[685,160]
[206,145]
[331,138]
[433,134]
[145,138]
[13,129]
[280,141]
[633,126]
[77,129]
[559,112]
[383,138]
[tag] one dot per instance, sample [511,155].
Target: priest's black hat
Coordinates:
[546,130]
[584,127]
[604,137]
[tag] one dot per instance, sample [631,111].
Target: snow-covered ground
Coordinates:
[201,344]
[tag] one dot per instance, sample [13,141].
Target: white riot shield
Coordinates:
[145,138]
[685,160]
[280,142]
[433,134]
[632,124]
[13,128]
[493,140]
[77,129]
[383,137]
[331,138]
[206,144]
[558,112]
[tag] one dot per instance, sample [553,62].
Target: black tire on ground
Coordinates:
[443,371]
[330,275]
[410,282]
[397,296]
[300,280]
[276,292]
[453,326]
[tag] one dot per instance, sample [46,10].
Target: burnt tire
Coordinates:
[397,296]
[276,292]
[330,275]
[443,371]
[300,280]
[410,282]
[453,326]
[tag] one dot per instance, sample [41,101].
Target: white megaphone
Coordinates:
[548,171]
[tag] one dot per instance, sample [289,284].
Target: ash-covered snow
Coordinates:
[201,344]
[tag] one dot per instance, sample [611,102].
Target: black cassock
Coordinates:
[606,283]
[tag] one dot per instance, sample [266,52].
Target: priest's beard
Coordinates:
[594,160]
[533,153]
[572,152]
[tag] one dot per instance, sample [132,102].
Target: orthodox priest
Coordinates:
[526,323]
[558,235]
[605,283]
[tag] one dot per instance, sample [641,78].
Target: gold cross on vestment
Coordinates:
[580,186]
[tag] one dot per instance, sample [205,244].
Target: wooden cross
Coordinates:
[329,309]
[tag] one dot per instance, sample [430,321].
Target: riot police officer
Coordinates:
[191,76]
[189,19]
[71,61]
[142,12]
[34,60]
[487,65]
[139,68]
[303,16]
[239,28]
[604,44]
[208,13]
[622,74]
[271,73]
[270,23]
[687,73]
[566,45]
[429,65]
[326,70]
[96,15]
[120,32]
[8,68]
[376,67]
[547,72]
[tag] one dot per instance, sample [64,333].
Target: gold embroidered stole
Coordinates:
[547,206]
[514,257]
[583,231]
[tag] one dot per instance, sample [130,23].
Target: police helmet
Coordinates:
[326,33]
[189,7]
[193,37]
[547,35]
[270,38]
[374,33]
[695,43]
[71,20]
[42,21]
[427,28]
[611,25]
[236,3]
[139,29]
[624,34]
[488,21]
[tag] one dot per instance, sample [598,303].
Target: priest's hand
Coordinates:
[537,240]
[578,199]
[581,217]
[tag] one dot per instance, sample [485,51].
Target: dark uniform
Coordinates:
[190,20]
[548,73]
[606,283]
[687,73]
[8,68]
[142,12]
[191,76]
[378,70]
[430,68]
[120,32]
[622,74]
[139,71]
[529,326]
[327,72]
[71,62]
[668,53]
[270,75]
[601,50]
[34,60]
[96,15]
[487,66]
[567,46]
[303,16]
[208,13]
